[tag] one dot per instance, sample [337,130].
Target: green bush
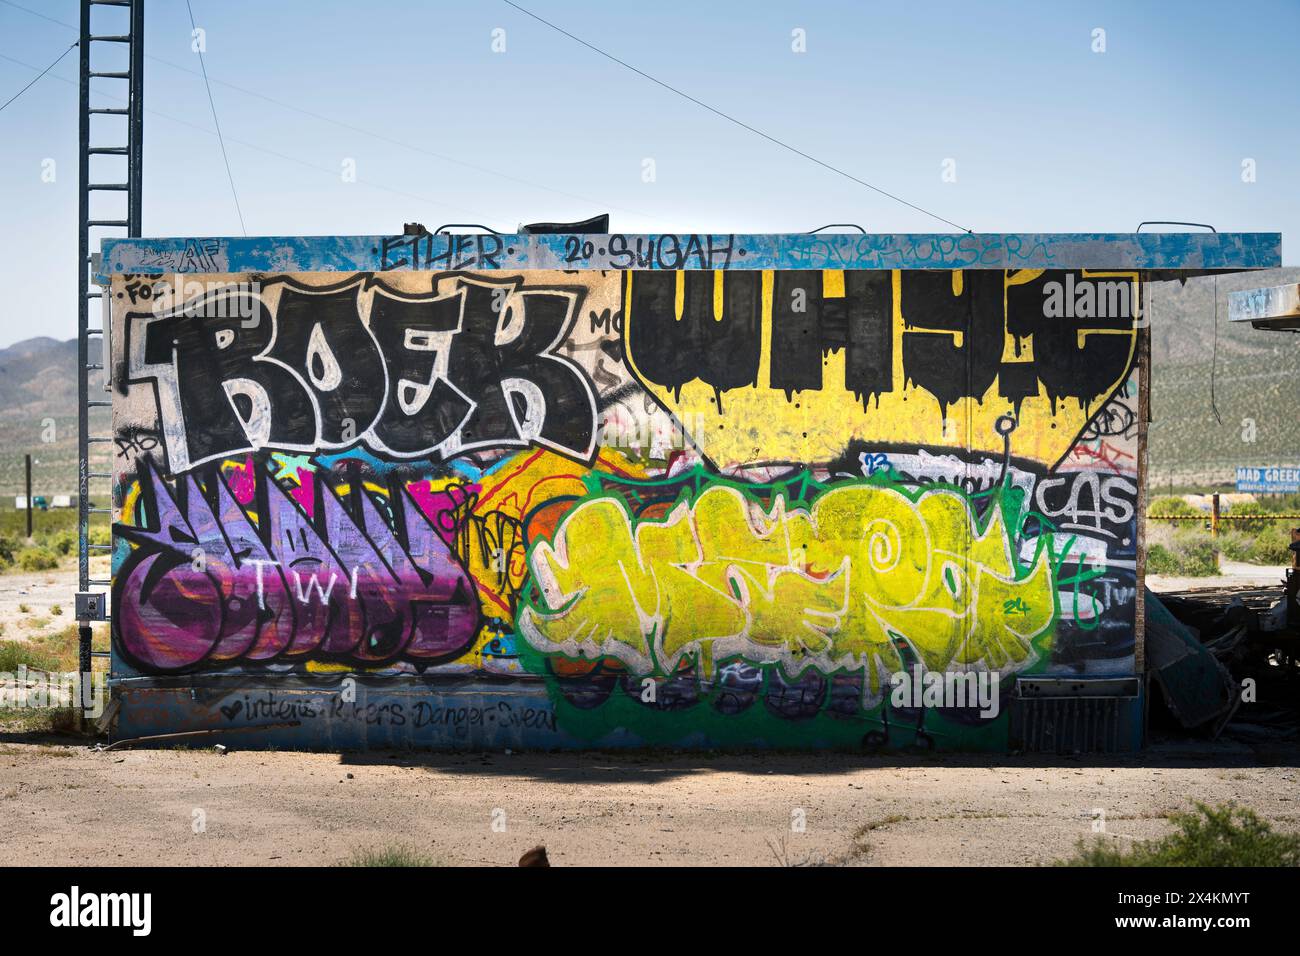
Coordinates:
[1212,836]
[1272,545]
[1187,552]
[1247,508]
[64,542]
[1173,505]
[1236,546]
[14,654]
[37,559]
[1196,552]
[1160,560]
[1288,504]
[56,529]
[1200,560]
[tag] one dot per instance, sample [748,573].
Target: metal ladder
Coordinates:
[91,605]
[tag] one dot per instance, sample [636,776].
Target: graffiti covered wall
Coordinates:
[785,507]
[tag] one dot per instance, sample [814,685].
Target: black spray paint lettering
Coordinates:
[446,252]
[807,324]
[462,718]
[662,252]
[474,367]
[954,339]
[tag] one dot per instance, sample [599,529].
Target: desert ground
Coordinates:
[67,804]
[36,604]
[1231,574]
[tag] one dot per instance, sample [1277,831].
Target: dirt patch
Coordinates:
[1233,574]
[260,808]
[36,604]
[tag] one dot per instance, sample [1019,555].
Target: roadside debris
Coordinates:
[1227,660]
[1198,690]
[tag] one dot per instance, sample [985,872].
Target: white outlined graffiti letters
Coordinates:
[316,368]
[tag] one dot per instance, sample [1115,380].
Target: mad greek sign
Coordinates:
[1268,480]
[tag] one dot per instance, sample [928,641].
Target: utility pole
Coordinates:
[29,494]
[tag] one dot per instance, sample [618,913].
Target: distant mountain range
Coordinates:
[1255,384]
[38,401]
[1256,380]
[38,377]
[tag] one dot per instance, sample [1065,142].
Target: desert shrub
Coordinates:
[1248,508]
[1196,552]
[61,649]
[1173,505]
[64,542]
[15,654]
[391,856]
[1185,552]
[1226,835]
[1272,545]
[1235,545]
[1289,504]
[37,559]
[1160,560]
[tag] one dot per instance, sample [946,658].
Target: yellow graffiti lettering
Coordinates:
[853,583]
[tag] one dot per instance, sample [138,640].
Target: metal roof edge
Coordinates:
[1272,307]
[685,251]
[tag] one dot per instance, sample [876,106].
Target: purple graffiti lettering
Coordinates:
[205,586]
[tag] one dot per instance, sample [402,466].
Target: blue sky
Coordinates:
[1046,134]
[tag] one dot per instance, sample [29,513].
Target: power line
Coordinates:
[460,210]
[42,73]
[1214,357]
[217,123]
[383,138]
[359,129]
[732,119]
[492,172]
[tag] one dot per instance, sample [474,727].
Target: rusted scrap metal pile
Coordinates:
[1227,660]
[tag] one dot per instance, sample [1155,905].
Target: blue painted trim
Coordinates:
[619,252]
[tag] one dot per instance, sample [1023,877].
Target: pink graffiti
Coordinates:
[242,483]
[445,508]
